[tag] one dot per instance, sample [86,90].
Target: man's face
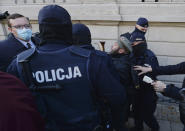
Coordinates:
[114,47]
[143,29]
[18,23]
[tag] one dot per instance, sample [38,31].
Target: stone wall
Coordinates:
[107,19]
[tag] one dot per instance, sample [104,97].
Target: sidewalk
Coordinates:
[167,115]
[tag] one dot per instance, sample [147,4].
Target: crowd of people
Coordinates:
[61,82]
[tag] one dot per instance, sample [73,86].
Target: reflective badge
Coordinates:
[57,74]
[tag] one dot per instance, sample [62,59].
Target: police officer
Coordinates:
[140,27]
[81,35]
[175,93]
[145,98]
[168,90]
[69,80]
[82,38]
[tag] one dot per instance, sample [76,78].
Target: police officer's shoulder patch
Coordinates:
[80,51]
[25,54]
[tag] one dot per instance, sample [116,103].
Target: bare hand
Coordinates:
[159,86]
[142,69]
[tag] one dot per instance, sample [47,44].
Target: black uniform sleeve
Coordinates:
[169,69]
[108,88]
[153,62]
[173,92]
[178,94]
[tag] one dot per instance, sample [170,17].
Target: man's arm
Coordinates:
[163,70]
[170,69]
[167,90]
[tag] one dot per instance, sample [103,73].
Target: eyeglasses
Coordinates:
[27,26]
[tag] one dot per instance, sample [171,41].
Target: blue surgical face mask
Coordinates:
[24,34]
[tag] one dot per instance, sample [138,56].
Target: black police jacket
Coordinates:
[146,90]
[97,73]
[148,59]
[178,94]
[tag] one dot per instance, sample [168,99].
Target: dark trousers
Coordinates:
[144,107]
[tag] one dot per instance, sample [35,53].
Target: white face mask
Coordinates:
[24,34]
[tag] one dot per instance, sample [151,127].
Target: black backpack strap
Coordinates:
[25,70]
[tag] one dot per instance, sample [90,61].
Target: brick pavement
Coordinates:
[167,114]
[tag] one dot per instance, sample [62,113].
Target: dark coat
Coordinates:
[171,90]
[148,58]
[9,48]
[104,83]
[178,94]
[17,108]
[136,33]
[145,98]
[169,69]
[123,67]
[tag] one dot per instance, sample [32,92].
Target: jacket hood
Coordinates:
[55,23]
[81,34]
[54,14]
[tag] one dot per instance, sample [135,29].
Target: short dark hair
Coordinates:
[14,16]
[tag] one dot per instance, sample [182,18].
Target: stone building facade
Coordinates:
[107,19]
